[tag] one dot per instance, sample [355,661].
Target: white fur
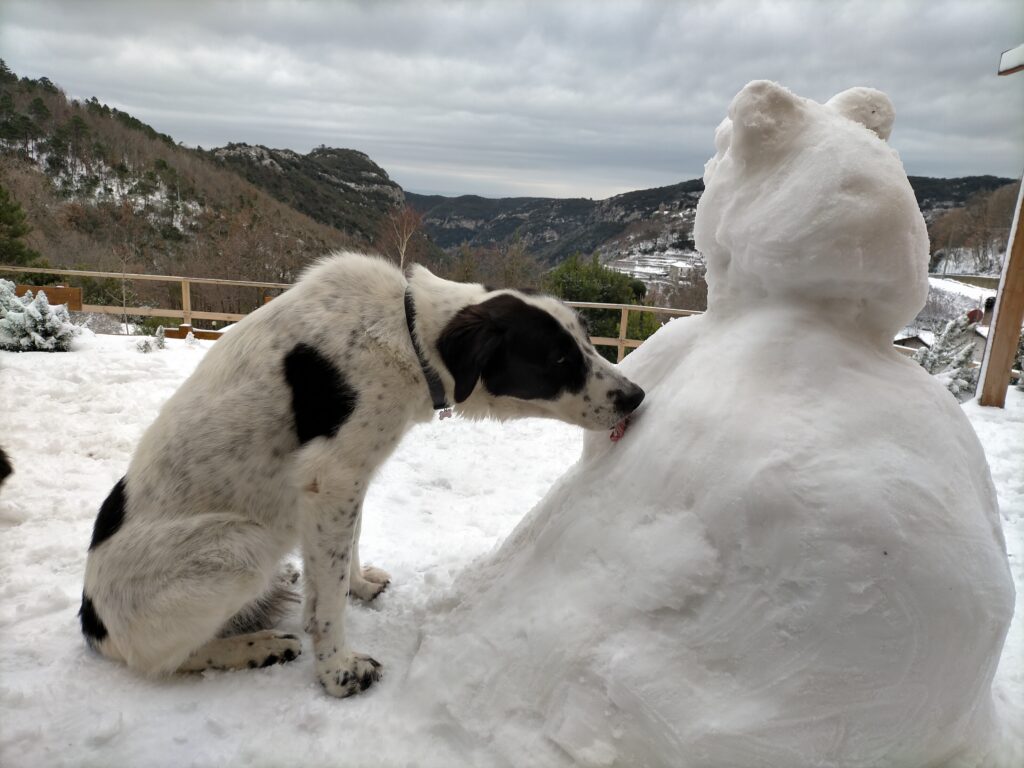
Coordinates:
[218,492]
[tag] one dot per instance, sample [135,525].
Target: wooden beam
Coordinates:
[138,276]
[623,328]
[186,302]
[55,294]
[1004,332]
[1012,61]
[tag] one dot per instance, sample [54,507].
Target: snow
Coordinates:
[973,292]
[982,259]
[803,566]
[1011,60]
[451,493]
[71,421]
[910,332]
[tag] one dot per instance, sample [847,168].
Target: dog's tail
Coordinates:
[266,611]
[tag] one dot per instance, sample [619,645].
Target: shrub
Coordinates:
[30,324]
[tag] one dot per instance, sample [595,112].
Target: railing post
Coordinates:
[623,328]
[186,302]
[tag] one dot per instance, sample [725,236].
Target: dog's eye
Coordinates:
[561,360]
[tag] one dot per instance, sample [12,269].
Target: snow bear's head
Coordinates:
[807,203]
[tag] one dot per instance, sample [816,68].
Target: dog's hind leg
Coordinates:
[269,608]
[161,598]
[366,582]
[255,649]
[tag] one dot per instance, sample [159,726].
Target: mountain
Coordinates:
[934,196]
[342,188]
[553,228]
[102,190]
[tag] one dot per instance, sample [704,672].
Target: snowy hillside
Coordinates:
[450,494]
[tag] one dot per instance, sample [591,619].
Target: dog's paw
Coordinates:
[366,590]
[255,649]
[376,575]
[269,648]
[350,674]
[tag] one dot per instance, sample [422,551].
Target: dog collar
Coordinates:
[437,393]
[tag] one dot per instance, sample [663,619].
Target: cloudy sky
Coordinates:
[498,97]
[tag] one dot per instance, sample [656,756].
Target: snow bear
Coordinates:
[794,556]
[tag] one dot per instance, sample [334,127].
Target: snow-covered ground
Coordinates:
[70,423]
[451,493]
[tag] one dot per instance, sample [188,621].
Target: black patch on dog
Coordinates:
[92,627]
[110,517]
[322,399]
[517,349]
[5,466]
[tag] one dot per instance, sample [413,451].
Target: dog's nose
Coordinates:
[627,400]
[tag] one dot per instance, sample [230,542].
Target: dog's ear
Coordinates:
[466,344]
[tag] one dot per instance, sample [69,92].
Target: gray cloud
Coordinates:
[506,98]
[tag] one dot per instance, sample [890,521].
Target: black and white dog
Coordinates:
[272,442]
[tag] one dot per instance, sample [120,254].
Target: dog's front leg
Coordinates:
[330,516]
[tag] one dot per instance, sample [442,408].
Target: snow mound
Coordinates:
[794,556]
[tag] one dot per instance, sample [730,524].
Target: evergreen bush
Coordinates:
[29,324]
[952,355]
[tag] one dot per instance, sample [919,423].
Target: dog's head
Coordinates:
[514,354]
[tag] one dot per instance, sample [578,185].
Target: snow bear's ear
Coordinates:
[866,106]
[723,138]
[764,116]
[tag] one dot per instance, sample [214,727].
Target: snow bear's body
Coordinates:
[794,556]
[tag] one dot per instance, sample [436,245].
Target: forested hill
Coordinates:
[550,228]
[100,189]
[343,188]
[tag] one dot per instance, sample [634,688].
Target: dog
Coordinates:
[273,440]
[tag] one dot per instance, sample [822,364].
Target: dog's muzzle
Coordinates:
[627,399]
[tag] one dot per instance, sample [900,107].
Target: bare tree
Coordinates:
[396,231]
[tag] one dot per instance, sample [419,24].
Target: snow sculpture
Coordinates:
[794,556]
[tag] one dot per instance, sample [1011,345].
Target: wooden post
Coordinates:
[1004,332]
[186,302]
[623,329]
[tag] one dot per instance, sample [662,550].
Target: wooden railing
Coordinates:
[623,342]
[187,314]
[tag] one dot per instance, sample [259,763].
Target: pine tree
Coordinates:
[6,76]
[12,228]
[579,279]
[950,342]
[29,323]
[952,355]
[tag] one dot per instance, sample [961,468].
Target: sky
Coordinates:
[507,98]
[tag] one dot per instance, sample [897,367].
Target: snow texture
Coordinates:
[452,491]
[70,424]
[802,567]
